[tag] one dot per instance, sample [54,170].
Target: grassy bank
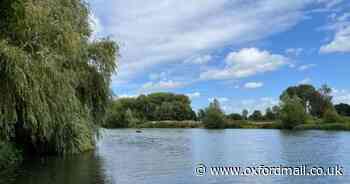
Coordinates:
[198,124]
[245,125]
[170,124]
[258,125]
[326,126]
[9,156]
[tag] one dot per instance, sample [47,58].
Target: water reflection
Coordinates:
[85,168]
[170,155]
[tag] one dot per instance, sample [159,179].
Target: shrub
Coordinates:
[214,119]
[292,113]
[331,116]
[235,116]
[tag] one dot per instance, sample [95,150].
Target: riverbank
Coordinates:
[198,124]
[246,125]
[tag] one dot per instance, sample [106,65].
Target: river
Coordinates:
[170,156]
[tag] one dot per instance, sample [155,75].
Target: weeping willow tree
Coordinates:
[54,81]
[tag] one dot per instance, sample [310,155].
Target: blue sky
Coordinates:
[244,53]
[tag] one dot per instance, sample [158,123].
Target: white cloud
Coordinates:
[306,67]
[126,96]
[340,43]
[95,26]
[341,96]
[253,85]
[161,85]
[305,81]
[294,51]
[245,63]
[250,104]
[220,99]
[194,95]
[340,24]
[155,32]
[201,59]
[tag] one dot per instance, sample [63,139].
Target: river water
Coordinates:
[170,156]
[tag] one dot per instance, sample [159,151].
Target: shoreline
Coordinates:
[238,125]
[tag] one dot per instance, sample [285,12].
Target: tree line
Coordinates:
[129,112]
[299,105]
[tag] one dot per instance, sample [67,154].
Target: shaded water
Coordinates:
[170,156]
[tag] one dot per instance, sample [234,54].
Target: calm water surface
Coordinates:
[169,156]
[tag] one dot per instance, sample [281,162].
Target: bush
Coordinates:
[293,113]
[331,116]
[235,116]
[256,116]
[214,119]
[9,155]
[170,124]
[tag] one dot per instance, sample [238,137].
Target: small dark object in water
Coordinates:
[138,131]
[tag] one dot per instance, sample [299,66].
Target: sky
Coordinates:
[242,52]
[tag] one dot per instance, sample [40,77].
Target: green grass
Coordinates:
[311,124]
[325,126]
[170,124]
[253,125]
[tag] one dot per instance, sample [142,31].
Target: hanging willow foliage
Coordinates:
[54,82]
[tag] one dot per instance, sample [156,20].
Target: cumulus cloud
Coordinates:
[155,32]
[249,104]
[220,99]
[341,96]
[194,95]
[125,96]
[161,85]
[340,43]
[245,63]
[340,25]
[95,26]
[253,85]
[305,81]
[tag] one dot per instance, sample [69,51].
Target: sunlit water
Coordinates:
[169,156]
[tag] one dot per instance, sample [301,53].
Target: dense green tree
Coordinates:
[292,112]
[276,111]
[116,116]
[214,116]
[305,92]
[256,116]
[331,116]
[54,80]
[201,114]
[315,102]
[130,118]
[343,109]
[234,116]
[245,113]
[152,107]
[270,115]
